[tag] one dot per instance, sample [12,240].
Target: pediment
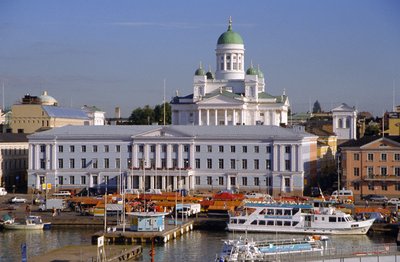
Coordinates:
[220,100]
[162,132]
[382,143]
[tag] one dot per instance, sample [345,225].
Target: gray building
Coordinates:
[269,159]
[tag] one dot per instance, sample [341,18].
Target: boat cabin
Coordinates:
[147,221]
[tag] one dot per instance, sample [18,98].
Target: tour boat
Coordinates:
[245,250]
[30,223]
[296,218]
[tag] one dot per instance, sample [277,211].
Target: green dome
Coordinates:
[230,37]
[251,71]
[260,74]
[200,72]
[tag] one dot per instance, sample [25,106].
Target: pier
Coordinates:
[116,235]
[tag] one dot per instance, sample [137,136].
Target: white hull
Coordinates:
[296,219]
[16,226]
[299,230]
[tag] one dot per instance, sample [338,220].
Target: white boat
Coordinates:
[30,223]
[244,250]
[296,218]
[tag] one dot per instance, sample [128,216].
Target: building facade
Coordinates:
[39,113]
[231,95]
[196,158]
[14,162]
[371,165]
[344,122]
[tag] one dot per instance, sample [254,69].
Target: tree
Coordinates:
[317,107]
[148,115]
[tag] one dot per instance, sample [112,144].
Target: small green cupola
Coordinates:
[200,71]
[252,70]
[260,73]
[230,37]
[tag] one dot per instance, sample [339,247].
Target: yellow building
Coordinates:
[42,113]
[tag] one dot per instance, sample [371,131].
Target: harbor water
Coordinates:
[197,245]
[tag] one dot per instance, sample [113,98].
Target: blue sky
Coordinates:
[118,53]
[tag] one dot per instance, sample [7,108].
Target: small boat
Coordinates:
[30,223]
[244,250]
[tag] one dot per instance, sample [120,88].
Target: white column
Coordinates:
[234,117]
[216,116]
[54,156]
[135,160]
[282,157]
[152,182]
[140,185]
[180,156]
[31,156]
[200,123]
[169,156]
[175,185]
[254,117]
[146,155]
[37,158]
[163,185]
[48,157]
[243,117]
[158,156]
[208,117]
[228,180]
[275,158]
[191,158]
[300,166]
[226,117]
[293,158]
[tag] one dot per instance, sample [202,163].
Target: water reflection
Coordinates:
[194,246]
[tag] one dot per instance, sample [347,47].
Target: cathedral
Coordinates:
[231,95]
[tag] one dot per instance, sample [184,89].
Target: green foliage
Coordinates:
[148,115]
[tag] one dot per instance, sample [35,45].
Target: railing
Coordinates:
[373,177]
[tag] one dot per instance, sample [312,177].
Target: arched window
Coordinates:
[340,123]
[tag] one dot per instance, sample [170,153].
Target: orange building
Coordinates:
[371,165]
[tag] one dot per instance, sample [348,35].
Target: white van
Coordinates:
[344,195]
[3,191]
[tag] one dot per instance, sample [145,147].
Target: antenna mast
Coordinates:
[164,104]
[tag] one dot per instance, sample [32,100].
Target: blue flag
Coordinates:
[23,252]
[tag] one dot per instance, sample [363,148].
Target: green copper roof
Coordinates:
[200,72]
[230,37]
[251,71]
[260,74]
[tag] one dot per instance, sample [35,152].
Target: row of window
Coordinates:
[383,171]
[233,181]
[13,164]
[234,163]
[14,151]
[209,148]
[374,186]
[383,157]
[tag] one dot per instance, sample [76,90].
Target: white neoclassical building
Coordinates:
[196,158]
[231,96]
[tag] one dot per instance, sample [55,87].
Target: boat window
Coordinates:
[262,212]
[279,223]
[295,210]
[286,223]
[242,221]
[254,222]
[270,222]
[279,212]
[332,219]
[233,221]
[261,222]
[286,212]
[295,223]
[323,218]
[270,211]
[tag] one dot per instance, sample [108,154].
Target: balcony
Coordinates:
[373,177]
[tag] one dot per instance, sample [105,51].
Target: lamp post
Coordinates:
[144,184]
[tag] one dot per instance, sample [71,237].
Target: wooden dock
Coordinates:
[116,235]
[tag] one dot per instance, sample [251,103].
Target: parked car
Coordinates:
[16,200]
[375,198]
[394,201]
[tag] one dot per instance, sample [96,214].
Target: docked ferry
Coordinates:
[296,218]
